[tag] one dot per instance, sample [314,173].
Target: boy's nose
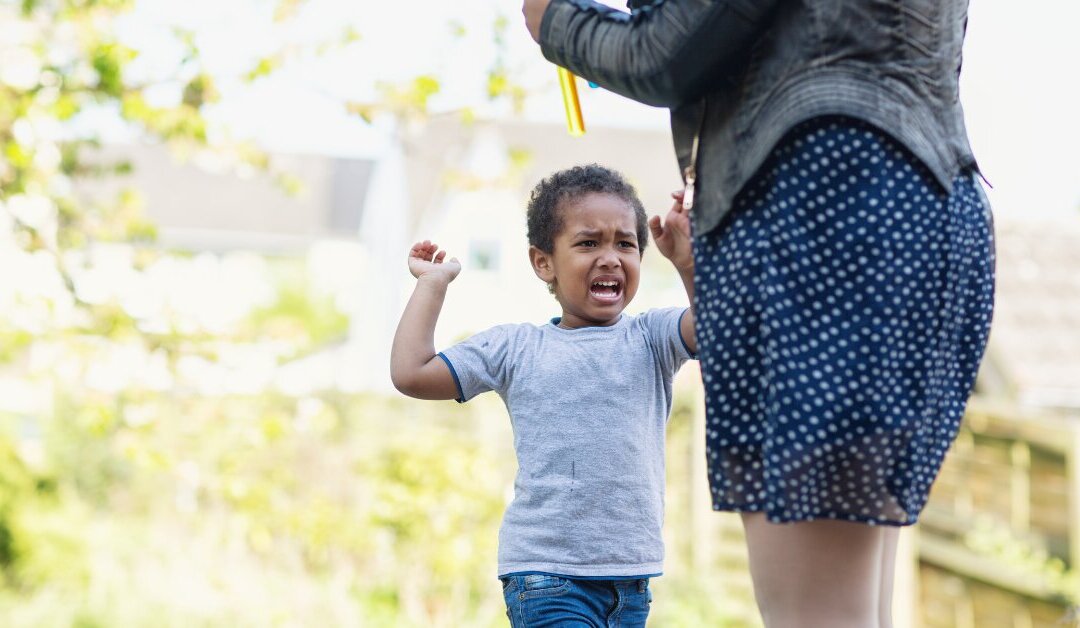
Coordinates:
[609,258]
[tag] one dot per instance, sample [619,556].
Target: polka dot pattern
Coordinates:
[843,308]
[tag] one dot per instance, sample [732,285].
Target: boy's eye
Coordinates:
[587,243]
[627,244]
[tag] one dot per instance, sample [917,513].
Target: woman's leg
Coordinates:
[819,574]
[888,574]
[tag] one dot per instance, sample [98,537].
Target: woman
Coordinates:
[844,263]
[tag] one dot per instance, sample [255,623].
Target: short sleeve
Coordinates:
[481,362]
[662,329]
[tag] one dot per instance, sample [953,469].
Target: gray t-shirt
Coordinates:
[589,407]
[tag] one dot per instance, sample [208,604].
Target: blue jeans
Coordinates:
[536,601]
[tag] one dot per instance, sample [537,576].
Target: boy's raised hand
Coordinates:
[426,260]
[672,236]
[415,368]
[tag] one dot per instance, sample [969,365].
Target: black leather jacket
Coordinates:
[746,71]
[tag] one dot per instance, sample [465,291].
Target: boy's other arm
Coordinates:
[415,369]
[686,324]
[672,238]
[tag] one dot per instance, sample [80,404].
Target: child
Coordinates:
[588,395]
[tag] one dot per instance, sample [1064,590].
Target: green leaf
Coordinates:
[108,60]
[65,107]
[287,9]
[366,111]
[264,67]
[200,90]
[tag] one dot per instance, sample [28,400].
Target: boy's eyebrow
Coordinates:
[593,233]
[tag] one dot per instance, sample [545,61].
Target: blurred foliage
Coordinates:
[297,314]
[137,487]
[500,84]
[160,508]
[992,538]
[62,63]
[408,102]
[405,101]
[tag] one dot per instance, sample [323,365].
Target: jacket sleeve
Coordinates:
[665,54]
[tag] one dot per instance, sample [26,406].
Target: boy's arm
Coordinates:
[415,369]
[672,238]
[686,324]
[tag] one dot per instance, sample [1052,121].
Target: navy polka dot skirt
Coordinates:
[843,307]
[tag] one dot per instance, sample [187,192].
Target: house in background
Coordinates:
[209,203]
[1034,354]
[230,222]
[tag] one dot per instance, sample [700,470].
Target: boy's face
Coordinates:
[595,263]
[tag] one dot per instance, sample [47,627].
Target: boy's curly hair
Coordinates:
[548,196]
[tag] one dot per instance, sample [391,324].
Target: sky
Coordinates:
[1019,85]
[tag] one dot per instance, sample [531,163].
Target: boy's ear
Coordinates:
[542,264]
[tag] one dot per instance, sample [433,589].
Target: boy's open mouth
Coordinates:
[606,289]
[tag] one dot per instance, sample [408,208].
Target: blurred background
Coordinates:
[206,208]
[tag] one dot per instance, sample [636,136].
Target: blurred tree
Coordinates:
[60,61]
[294,486]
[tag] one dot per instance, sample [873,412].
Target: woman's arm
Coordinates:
[665,55]
[415,369]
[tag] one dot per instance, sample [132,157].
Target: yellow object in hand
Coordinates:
[568,84]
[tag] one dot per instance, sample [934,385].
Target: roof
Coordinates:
[1034,351]
[207,203]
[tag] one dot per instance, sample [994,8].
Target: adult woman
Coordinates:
[844,263]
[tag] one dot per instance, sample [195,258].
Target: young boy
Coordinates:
[588,395]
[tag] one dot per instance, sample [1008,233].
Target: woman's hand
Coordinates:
[533,10]
[426,260]
[672,236]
